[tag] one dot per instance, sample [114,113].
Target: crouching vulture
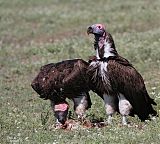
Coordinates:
[122,87]
[66,79]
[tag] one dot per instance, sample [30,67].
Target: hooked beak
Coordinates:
[90,30]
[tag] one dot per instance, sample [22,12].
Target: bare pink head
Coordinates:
[97,29]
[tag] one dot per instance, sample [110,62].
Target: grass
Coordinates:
[34,33]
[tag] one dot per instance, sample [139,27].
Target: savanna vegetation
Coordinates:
[37,32]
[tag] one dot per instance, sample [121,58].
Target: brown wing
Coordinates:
[66,77]
[126,80]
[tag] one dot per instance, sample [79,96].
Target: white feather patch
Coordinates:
[81,108]
[107,48]
[124,105]
[93,63]
[101,67]
[100,71]
[103,70]
[109,104]
[97,54]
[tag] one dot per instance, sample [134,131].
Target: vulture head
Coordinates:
[96,29]
[103,44]
[60,112]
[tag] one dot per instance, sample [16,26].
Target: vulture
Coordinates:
[65,79]
[120,84]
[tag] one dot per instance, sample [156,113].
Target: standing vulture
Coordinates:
[66,79]
[119,82]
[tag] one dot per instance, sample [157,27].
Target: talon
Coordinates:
[81,118]
[58,125]
[124,120]
[109,120]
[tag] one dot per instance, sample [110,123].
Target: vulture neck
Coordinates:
[104,46]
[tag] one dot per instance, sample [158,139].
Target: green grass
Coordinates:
[37,32]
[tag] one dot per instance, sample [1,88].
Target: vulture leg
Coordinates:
[82,102]
[124,108]
[110,106]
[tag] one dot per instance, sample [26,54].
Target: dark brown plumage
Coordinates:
[125,79]
[66,79]
[56,79]
[117,80]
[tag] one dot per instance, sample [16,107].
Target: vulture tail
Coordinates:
[146,108]
[152,101]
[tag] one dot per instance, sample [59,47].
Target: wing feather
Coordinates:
[125,79]
[60,78]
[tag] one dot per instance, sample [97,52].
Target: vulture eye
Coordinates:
[99,27]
